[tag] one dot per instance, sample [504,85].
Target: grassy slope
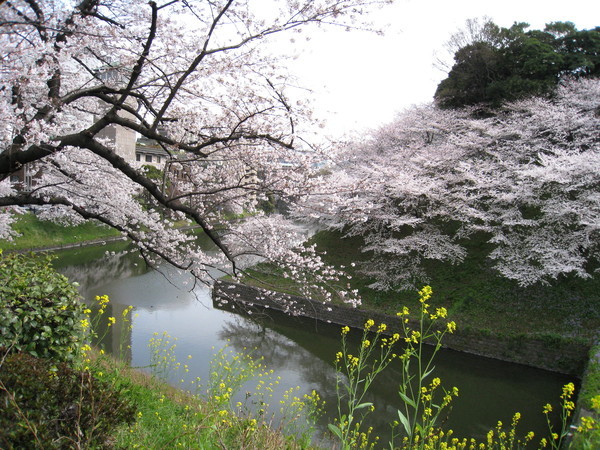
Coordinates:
[477,298]
[35,233]
[169,418]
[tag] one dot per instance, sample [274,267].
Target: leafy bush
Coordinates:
[40,312]
[48,406]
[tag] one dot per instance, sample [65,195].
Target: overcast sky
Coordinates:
[362,80]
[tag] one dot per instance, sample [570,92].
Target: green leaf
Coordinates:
[407,400]
[404,421]
[426,374]
[335,430]
[364,405]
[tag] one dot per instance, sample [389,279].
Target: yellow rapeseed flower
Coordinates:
[569,406]
[568,390]
[529,436]
[425,294]
[405,312]
[587,424]
[596,403]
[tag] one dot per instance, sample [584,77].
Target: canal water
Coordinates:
[299,351]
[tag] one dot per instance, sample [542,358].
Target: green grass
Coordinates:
[38,234]
[170,418]
[35,233]
[475,296]
[588,398]
[591,385]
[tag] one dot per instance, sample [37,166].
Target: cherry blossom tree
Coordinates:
[525,176]
[195,78]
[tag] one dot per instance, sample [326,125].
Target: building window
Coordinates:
[148,158]
[138,157]
[158,159]
[28,181]
[15,179]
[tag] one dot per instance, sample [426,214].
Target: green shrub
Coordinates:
[48,406]
[40,312]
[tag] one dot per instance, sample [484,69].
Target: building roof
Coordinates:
[148,146]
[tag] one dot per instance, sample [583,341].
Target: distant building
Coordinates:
[22,179]
[123,139]
[149,152]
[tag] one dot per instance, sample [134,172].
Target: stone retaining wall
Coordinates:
[541,352]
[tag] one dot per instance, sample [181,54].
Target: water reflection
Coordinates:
[490,390]
[93,266]
[300,351]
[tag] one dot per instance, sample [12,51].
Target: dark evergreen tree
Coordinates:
[505,64]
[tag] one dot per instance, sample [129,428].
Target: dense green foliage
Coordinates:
[504,64]
[40,312]
[48,406]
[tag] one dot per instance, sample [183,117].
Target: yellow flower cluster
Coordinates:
[405,312]
[353,361]
[103,301]
[390,341]
[567,391]
[596,403]
[529,436]
[451,327]
[414,337]
[126,311]
[439,313]
[587,424]
[425,294]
